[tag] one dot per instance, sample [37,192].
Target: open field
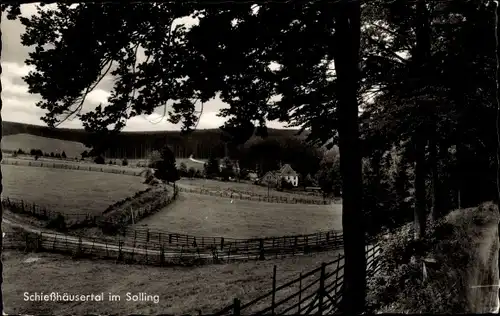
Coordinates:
[53,163]
[26,142]
[204,215]
[68,191]
[241,187]
[181,290]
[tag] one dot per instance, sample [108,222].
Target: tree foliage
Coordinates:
[165,168]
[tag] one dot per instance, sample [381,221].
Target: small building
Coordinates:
[286,173]
[253,176]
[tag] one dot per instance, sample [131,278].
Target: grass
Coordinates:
[26,142]
[181,290]
[204,215]
[465,247]
[48,161]
[68,191]
[242,187]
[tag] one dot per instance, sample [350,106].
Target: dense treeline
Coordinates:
[137,145]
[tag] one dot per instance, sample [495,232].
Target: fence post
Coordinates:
[147,235]
[321,288]
[221,243]
[236,307]
[261,246]
[273,302]
[300,291]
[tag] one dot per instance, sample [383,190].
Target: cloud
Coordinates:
[19,105]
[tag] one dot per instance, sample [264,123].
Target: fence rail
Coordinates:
[318,291]
[152,252]
[22,207]
[71,166]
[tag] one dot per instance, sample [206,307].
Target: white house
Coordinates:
[286,173]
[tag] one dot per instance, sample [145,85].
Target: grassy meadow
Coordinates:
[68,191]
[181,290]
[204,215]
[242,187]
[26,142]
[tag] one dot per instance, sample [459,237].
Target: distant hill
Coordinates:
[26,142]
[134,145]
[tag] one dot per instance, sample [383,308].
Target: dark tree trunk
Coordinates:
[1,186]
[346,57]
[420,211]
[420,71]
[436,210]
[497,37]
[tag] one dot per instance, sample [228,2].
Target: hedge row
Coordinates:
[120,203]
[116,220]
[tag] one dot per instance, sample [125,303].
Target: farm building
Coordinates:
[286,172]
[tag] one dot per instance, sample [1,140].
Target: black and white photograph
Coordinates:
[250,158]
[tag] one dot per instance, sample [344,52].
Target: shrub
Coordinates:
[63,155]
[58,223]
[125,162]
[453,243]
[99,160]
[191,172]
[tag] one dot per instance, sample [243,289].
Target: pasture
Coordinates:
[26,142]
[203,215]
[47,162]
[68,191]
[181,290]
[241,187]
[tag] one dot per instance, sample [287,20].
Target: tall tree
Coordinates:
[346,57]
[165,168]
[211,167]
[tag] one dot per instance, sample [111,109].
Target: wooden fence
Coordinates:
[255,197]
[40,212]
[72,166]
[316,292]
[250,248]
[160,252]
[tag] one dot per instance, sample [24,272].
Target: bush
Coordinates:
[99,160]
[58,223]
[63,155]
[125,162]
[453,243]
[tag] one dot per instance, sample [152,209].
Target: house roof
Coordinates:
[284,171]
[287,170]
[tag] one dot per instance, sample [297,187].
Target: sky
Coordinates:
[19,105]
